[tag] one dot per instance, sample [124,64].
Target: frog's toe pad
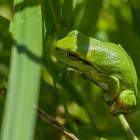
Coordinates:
[128,98]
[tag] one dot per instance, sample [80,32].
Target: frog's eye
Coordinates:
[71,55]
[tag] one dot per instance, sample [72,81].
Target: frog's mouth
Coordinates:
[69,65]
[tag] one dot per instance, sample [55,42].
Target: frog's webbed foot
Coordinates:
[125,103]
[128,98]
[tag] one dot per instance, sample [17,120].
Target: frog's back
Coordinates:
[111,59]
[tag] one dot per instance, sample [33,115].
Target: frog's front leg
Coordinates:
[113,89]
[110,86]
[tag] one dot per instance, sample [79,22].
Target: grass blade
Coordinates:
[20,113]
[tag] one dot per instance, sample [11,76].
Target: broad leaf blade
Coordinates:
[24,80]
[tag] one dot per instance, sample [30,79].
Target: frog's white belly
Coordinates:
[103,85]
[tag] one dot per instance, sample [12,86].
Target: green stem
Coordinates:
[127,127]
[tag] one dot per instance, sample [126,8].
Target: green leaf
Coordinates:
[25,70]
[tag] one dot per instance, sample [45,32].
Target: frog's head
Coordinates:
[125,103]
[72,50]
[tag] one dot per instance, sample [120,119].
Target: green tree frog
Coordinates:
[106,64]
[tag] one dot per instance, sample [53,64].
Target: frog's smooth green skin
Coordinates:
[106,64]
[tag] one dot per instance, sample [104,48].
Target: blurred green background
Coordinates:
[67,96]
